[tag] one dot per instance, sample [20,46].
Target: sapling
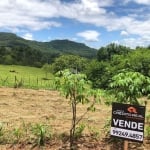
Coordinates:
[77,89]
[128,86]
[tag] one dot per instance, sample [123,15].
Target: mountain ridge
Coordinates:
[63,46]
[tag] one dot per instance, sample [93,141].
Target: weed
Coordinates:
[147,131]
[94,132]
[1,129]
[148,118]
[107,127]
[17,133]
[79,130]
[3,136]
[41,133]
[1,132]
[64,137]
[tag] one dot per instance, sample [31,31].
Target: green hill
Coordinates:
[11,40]
[71,47]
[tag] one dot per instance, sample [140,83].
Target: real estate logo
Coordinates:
[132,110]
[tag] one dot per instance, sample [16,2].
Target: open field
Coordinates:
[26,106]
[24,76]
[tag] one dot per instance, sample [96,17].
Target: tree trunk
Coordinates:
[72,131]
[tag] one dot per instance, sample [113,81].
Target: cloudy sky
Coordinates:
[93,22]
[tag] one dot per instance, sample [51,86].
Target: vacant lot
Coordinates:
[24,106]
[18,106]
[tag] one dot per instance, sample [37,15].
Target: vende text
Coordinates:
[128,124]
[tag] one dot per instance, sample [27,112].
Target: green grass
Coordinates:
[23,76]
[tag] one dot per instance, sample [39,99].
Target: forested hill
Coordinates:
[71,47]
[11,40]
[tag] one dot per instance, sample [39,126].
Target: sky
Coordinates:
[95,23]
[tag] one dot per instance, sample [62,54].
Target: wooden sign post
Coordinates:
[125,145]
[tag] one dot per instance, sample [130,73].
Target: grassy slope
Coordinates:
[32,77]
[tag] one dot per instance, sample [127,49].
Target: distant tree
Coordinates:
[72,62]
[99,73]
[106,53]
[8,60]
[103,54]
[139,61]
[119,62]
[2,51]
[37,64]
[2,54]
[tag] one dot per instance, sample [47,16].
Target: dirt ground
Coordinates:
[19,106]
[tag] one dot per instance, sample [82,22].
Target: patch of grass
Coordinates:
[1,133]
[41,133]
[94,132]
[35,134]
[23,76]
[79,130]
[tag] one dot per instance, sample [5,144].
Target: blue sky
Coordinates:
[93,22]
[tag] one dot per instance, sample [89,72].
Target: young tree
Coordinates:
[128,86]
[77,89]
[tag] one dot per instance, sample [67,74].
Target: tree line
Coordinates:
[26,56]
[111,60]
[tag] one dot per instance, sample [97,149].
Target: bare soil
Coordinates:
[19,106]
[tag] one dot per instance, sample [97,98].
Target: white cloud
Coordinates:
[89,35]
[146,2]
[42,14]
[28,36]
[124,33]
[133,42]
[100,17]
[37,14]
[28,14]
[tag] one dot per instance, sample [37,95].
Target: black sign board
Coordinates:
[128,121]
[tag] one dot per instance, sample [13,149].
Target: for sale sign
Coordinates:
[128,121]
